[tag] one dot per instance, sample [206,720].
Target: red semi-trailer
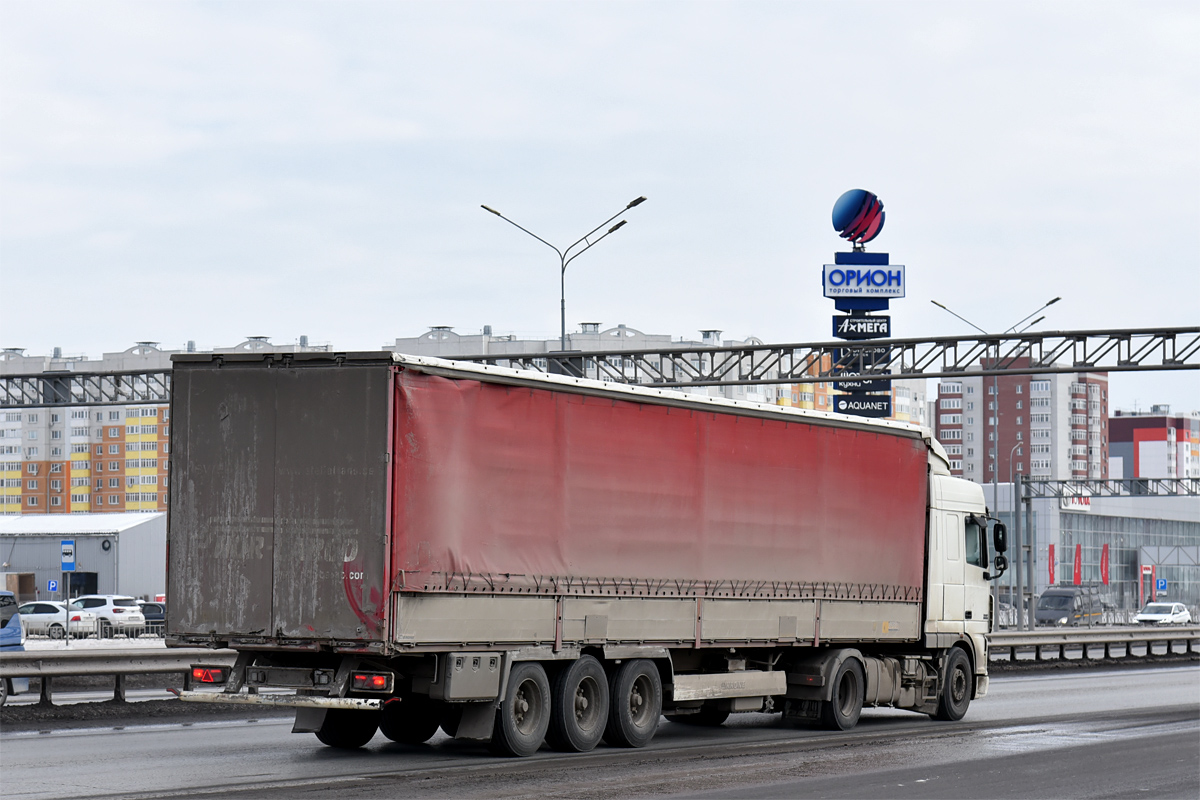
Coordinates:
[412,543]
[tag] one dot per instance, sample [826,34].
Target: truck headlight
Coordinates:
[1062,620]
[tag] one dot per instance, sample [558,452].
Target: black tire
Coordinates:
[347,729]
[710,715]
[3,691]
[524,716]
[842,710]
[956,687]
[106,629]
[579,711]
[56,631]
[635,704]
[411,720]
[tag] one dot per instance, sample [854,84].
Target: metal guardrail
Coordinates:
[1087,638]
[119,663]
[47,665]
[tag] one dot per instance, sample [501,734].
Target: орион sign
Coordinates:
[864,281]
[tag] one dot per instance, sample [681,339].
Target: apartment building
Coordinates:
[1155,444]
[1045,426]
[60,459]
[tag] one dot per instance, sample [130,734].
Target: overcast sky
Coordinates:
[210,171]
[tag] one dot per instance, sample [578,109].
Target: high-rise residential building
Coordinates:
[65,458]
[1051,426]
[1155,444]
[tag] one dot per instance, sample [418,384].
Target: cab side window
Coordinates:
[8,608]
[973,543]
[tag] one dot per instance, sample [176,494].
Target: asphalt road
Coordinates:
[1079,734]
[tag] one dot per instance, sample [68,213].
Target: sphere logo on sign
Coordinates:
[858,216]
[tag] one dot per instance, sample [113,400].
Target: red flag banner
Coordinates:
[1078,576]
[1104,565]
[1050,564]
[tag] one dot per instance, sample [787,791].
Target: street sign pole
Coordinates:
[68,566]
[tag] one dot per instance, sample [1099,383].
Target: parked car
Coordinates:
[1164,614]
[12,640]
[156,617]
[49,618]
[117,613]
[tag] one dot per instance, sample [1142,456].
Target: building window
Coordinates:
[114,483]
[54,451]
[112,499]
[148,412]
[1018,420]
[99,449]
[1020,388]
[99,500]
[114,449]
[114,432]
[1019,436]
[56,501]
[1020,468]
[33,501]
[970,390]
[1018,404]
[114,415]
[33,435]
[31,469]
[79,415]
[113,466]
[56,467]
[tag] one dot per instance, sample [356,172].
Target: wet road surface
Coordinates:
[1079,734]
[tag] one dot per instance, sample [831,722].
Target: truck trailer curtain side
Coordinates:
[547,491]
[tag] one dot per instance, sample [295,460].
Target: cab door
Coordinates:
[976,592]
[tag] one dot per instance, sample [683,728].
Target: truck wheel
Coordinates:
[956,687]
[348,729]
[635,704]
[841,711]
[412,720]
[710,715]
[56,631]
[580,707]
[524,715]
[3,691]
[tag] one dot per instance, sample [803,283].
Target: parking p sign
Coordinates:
[52,586]
[1160,584]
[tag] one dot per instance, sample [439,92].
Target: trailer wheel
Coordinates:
[524,715]
[635,704]
[346,729]
[956,687]
[580,707]
[412,720]
[841,711]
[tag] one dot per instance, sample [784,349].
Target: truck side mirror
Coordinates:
[1000,537]
[1001,568]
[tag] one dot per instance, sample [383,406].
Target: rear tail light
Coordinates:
[372,681]
[76,618]
[118,611]
[210,674]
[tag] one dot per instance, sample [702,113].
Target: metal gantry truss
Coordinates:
[1140,349]
[1034,488]
[85,388]
[1134,350]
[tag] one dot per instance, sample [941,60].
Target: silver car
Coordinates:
[50,618]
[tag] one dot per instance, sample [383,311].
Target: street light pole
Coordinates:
[565,256]
[996,439]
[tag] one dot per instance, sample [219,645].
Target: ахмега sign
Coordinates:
[842,281]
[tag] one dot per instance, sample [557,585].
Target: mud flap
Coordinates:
[309,720]
[477,722]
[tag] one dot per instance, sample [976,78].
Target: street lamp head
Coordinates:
[1055,300]
[494,211]
[636,202]
[935,302]
[618,225]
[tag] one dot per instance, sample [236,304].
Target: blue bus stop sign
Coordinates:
[68,555]
[1160,584]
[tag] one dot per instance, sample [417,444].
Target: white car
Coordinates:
[49,618]
[1164,614]
[118,613]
